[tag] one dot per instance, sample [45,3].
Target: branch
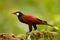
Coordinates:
[31,36]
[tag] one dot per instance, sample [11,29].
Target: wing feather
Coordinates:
[30,19]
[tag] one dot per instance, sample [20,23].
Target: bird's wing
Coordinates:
[30,19]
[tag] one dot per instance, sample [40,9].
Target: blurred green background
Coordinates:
[48,10]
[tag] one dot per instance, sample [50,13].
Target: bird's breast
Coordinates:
[21,20]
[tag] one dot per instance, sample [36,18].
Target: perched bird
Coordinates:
[30,20]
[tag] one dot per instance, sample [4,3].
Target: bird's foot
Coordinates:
[28,36]
[34,31]
[27,33]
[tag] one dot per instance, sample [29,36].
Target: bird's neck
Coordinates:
[20,16]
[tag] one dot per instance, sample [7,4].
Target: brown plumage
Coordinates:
[30,20]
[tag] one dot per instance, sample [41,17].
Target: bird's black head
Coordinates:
[18,13]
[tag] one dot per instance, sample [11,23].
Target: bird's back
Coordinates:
[30,19]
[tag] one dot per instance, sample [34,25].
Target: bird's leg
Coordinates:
[35,28]
[30,27]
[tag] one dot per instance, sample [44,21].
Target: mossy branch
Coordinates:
[42,35]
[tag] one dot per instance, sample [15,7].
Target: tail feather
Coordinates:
[54,27]
[46,23]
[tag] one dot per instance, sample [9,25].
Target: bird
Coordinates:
[31,21]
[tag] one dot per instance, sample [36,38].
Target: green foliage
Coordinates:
[48,10]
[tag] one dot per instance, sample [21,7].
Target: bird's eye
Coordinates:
[17,13]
